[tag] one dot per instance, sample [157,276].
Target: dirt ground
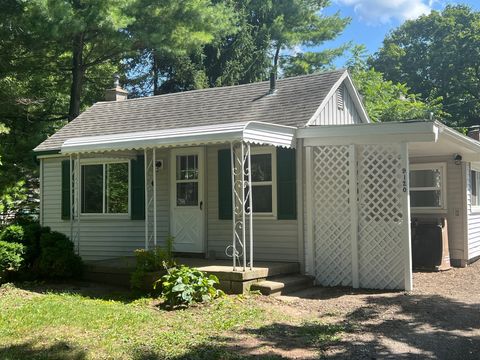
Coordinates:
[440,319]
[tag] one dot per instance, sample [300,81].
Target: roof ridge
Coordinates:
[217,88]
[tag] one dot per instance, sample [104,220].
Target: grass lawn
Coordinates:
[70,323]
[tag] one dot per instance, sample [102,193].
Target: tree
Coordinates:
[438,55]
[385,100]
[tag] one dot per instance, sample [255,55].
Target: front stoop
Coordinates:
[281,285]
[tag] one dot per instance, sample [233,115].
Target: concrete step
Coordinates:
[281,285]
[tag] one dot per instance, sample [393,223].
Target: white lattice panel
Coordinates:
[332,218]
[381,228]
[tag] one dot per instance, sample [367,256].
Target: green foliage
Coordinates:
[10,258]
[157,259]
[12,234]
[183,286]
[57,257]
[388,101]
[438,55]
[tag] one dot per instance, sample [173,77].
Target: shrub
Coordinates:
[10,258]
[13,234]
[57,258]
[151,260]
[182,286]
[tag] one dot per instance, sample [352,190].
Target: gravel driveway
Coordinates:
[440,319]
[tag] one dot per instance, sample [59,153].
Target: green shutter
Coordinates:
[66,190]
[286,184]
[138,188]
[224,185]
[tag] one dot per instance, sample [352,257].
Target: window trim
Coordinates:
[474,208]
[442,166]
[104,214]
[259,150]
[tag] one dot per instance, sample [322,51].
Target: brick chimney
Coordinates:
[474,132]
[117,93]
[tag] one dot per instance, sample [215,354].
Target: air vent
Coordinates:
[340,101]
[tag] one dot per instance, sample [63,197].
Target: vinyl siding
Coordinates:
[456,209]
[102,238]
[332,115]
[275,240]
[473,221]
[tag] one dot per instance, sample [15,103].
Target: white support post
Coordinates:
[145,159]
[72,189]
[407,253]
[242,173]
[234,247]
[309,248]
[79,199]
[353,213]
[250,204]
[154,174]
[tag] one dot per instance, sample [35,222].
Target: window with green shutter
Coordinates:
[138,188]
[286,184]
[224,185]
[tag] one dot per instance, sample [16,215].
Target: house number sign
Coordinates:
[404,183]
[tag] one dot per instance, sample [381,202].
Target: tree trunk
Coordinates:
[155,74]
[78,73]
[275,61]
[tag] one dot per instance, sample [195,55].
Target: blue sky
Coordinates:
[373,19]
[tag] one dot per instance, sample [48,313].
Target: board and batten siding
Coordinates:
[273,240]
[456,209]
[102,237]
[331,114]
[473,221]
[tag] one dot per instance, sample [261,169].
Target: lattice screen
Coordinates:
[378,239]
[381,232]
[332,215]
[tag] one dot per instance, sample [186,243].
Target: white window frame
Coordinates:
[443,186]
[104,214]
[475,168]
[259,150]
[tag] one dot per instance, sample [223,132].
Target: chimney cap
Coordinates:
[116,80]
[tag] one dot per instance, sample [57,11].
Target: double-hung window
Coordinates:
[264,174]
[475,189]
[428,186]
[105,188]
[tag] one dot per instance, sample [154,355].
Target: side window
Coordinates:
[105,188]
[427,186]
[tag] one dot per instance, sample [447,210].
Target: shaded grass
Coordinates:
[68,325]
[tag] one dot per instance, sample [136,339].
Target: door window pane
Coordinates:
[187,194]
[262,198]
[116,197]
[92,189]
[187,167]
[261,167]
[426,198]
[425,178]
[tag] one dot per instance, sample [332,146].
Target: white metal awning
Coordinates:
[253,132]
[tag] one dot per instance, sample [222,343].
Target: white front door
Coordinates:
[187,205]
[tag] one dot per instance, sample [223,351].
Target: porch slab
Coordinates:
[118,270]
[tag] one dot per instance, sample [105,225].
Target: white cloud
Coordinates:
[383,11]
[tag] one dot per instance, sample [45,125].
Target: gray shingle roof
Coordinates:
[293,104]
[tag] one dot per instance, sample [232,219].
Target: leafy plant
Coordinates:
[10,257]
[183,286]
[12,234]
[57,257]
[156,259]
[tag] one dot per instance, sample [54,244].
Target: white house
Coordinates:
[329,189]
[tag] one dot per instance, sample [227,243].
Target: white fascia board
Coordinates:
[253,132]
[470,147]
[369,133]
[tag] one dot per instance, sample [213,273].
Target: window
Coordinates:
[263,162]
[427,186]
[475,190]
[105,188]
[187,180]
